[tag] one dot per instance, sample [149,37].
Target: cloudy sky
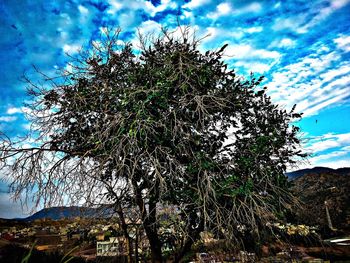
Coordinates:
[302,48]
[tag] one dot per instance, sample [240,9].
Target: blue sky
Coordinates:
[301,47]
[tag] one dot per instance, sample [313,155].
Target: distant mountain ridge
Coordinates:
[68,212]
[317,170]
[320,188]
[56,213]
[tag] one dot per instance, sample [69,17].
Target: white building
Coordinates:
[114,247]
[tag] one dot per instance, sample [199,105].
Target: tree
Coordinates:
[169,126]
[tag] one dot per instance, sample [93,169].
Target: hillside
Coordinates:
[319,185]
[63,212]
[56,213]
[317,170]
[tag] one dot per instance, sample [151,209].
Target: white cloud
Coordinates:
[195,3]
[213,33]
[328,150]
[9,208]
[260,67]
[221,10]
[282,43]
[303,25]
[8,118]
[343,69]
[127,19]
[326,101]
[248,57]
[322,145]
[125,11]
[115,6]
[83,10]
[328,141]
[328,156]
[335,164]
[71,49]
[346,148]
[244,51]
[314,82]
[254,67]
[339,3]
[14,110]
[68,69]
[27,126]
[343,42]
[226,8]
[288,23]
[277,5]
[256,29]
[150,27]
[251,8]
[147,28]
[187,14]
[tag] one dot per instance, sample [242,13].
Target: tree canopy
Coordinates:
[167,125]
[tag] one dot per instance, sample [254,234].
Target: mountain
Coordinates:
[61,212]
[317,170]
[321,189]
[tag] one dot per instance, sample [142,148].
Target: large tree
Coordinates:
[166,125]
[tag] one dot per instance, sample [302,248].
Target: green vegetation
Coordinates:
[26,258]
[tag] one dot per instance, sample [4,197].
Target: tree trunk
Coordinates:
[192,236]
[124,227]
[183,250]
[137,246]
[150,225]
[156,248]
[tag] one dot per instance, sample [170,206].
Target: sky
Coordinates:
[302,48]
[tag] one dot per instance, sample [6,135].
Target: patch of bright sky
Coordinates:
[302,48]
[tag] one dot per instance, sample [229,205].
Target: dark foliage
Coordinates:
[172,127]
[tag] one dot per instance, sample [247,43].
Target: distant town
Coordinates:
[91,238]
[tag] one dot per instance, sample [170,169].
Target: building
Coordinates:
[114,247]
